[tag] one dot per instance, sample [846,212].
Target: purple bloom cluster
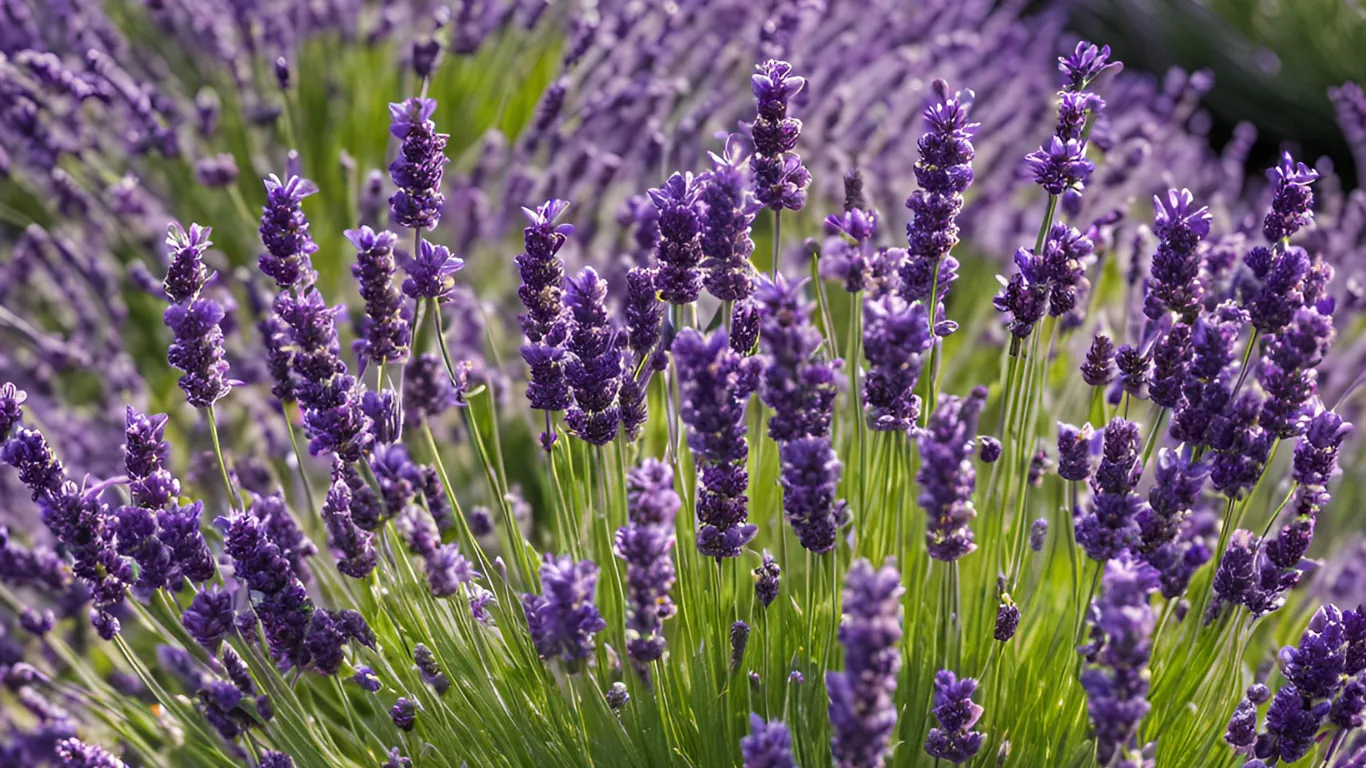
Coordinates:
[1291,199]
[715,383]
[284,233]
[546,322]
[780,179]
[643,318]
[1116,681]
[849,235]
[194,319]
[896,335]
[1180,228]
[563,619]
[768,745]
[419,166]
[1171,534]
[954,740]
[678,254]
[944,172]
[1098,370]
[798,385]
[1111,524]
[352,546]
[431,273]
[1288,371]
[386,333]
[594,367]
[80,521]
[645,544]
[728,216]
[947,477]
[862,709]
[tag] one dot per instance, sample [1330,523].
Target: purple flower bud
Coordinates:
[186,273]
[1117,681]
[1111,525]
[404,715]
[715,384]
[1076,445]
[1174,286]
[1060,166]
[11,398]
[365,678]
[210,618]
[1007,619]
[1241,733]
[75,753]
[1288,371]
[563,619]
[947,477]
[284,233]
[729,213]
[1291,199]
[896,335]
[954,740]
[645,545]
[1038,531]
[768,745]
[430,670]
[1084,64]
[386,330]
[594,370]
[417,170]
[678,256]
[617,696]
[809,476]
[546,321]
[1316,454]
[1099,368]
[862,711]
[780,181]
[767,580]
[431,274]
[197,350]
[1171,361]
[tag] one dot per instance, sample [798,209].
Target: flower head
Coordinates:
[954,740]
[563,619]
[431,273]
[284,233]
[418,169]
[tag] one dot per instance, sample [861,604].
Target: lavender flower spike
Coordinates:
[546,323]
[1117,682]
[954,740]
[729,214]
[595,366]
[896,335]
[1111,525]
[431,273]
[944,172]
[186,273]
[1291,199]
[947,477]
[645,545]
[284,233]
[715,384]
[780,180]
[197,350]
[678,275]
[420,164]
[1175,286]
[768,745]
[387,334]
[564,619]
[862,706]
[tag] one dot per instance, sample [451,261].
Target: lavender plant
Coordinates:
[303,552]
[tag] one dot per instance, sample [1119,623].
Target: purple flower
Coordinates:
[768,745]
[1076,445]
[352,547]
[1038,531]
[1111,525]
[1007,619]
[210,618]
[282,603]
[1174,286]
[809,476]
[1241,733]
[186,273]
[546,321]
[862,705]
[1117,682]
[430,669]
[594,370]
[678,255]
[1024,296]
[1171,361]
[849,236]
[954,740]
[1242,444]
[278,341]
[944,172]
[145,454]
[715,384]
[365,678]
[1316,454]
[270,759]
[431,274]
[419,166]
[284,531]
[1099,368]
[1291,199]
[780,180]
[729,214]
[1170,534]
[645,545]
[798,385]
[1066,255]
[11,399]
[216,171]
[1060,166]
[427,391]
[404,715]
[386,329]
[1288,371]
[1281,294]
[198,350]
[564,619]
[767,580]
[447,569]
[75,753]
[896,335]
[947,476]
[284,233]
[1135,366]
[1084,64]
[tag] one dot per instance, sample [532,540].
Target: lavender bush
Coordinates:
[558,388]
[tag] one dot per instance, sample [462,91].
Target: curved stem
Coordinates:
[233,496]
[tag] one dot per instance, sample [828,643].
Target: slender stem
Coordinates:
[233,496]
[777,238]
[298,458]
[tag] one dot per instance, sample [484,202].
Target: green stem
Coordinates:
[233,496]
